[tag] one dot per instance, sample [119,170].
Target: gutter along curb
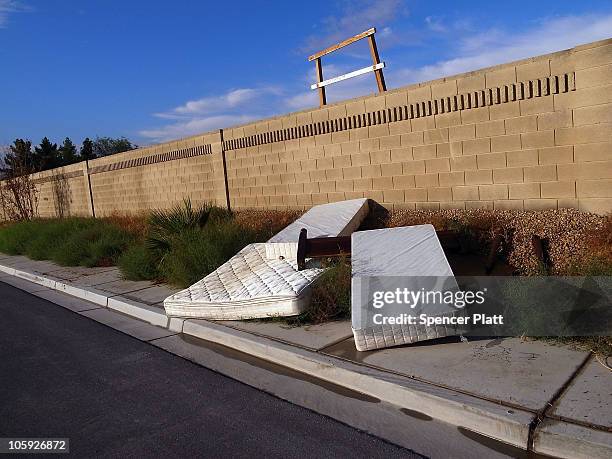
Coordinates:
[494,420]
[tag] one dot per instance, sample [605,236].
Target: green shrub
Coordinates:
[183,263]
[47,235]
[186,243]
[219,214]
[68,242]
[195,253]
[108,246]
[41,242]
[165,225]
[14,238]
[138,263]
[180,245]
[331,295]
[71,251]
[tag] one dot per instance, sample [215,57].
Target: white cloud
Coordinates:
[193,126]
[7,7]
[356,16]
[213,112]
[302,100]
[235,107]
[497,46]
[441,25]
[472,50]
[242,105]
[385,32]
[236,98]
[435,24]
[347,89]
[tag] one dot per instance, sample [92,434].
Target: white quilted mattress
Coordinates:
[262,280]
[386,258]
[327,220]
[249,285]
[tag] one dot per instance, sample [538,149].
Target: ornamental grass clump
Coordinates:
[138,263]
[196,252]
[70,241]
[187,242]
[165,225]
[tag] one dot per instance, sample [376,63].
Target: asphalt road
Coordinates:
[64,375]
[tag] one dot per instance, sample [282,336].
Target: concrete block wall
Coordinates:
[62,191]
[158,177]
[532,134]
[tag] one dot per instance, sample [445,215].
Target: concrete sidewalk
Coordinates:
[535,396]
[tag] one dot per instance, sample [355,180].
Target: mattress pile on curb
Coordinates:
[262,280]
[386,260]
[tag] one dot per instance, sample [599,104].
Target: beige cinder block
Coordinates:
[558,189]
[493,192]
[523,190]
[508,175]
[594,188]
[540,173]
[533,134]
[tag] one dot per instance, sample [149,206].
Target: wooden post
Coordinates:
[376,67]
[380,79]
[322,98]
[88,189]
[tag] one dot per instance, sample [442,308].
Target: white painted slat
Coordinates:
[346,76]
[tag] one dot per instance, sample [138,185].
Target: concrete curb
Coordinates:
[510,426]
[487,418]
[88,294]
[571,441]
[141,311]
[125,306]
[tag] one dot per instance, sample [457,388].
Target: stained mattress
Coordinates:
[327,220]
[262,280]
[383,260]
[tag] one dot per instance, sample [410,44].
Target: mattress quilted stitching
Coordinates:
[249,275]
[382,336]
[251,284]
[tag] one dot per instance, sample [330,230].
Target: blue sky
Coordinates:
[156,70]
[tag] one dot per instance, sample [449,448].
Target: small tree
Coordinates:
[87,152]
[46,155]
[18,192]
[68,153]
[105,146]
[17,156]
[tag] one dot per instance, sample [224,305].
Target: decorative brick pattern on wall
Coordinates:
[546,86]
[533,134]
[140,188]
[154,159]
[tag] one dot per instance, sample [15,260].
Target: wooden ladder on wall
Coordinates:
[376,66]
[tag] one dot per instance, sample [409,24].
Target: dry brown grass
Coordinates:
[576,238]
[133,224]
[258,220]
[267,221]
